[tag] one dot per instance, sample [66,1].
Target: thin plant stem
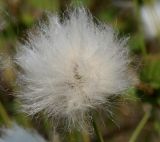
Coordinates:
[85,137]
[97,131]
[4,116]
[140,126]
[140,28]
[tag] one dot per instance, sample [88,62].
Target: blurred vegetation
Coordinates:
[16,16]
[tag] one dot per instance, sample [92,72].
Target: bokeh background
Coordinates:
[137,19]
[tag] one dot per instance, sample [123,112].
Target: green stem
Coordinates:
[140,28]
[4,116]
[97,131]
[140,126]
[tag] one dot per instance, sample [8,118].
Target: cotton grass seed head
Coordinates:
[150,16]
[19,134]
[71,67]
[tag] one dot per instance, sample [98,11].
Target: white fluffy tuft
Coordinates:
[72,67]
[19,134]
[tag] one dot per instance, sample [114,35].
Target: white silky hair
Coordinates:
[150,16]
[72,66]
[19,134]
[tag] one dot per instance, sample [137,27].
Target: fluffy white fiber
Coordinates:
[150,15]
[18,134]
[71,67]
